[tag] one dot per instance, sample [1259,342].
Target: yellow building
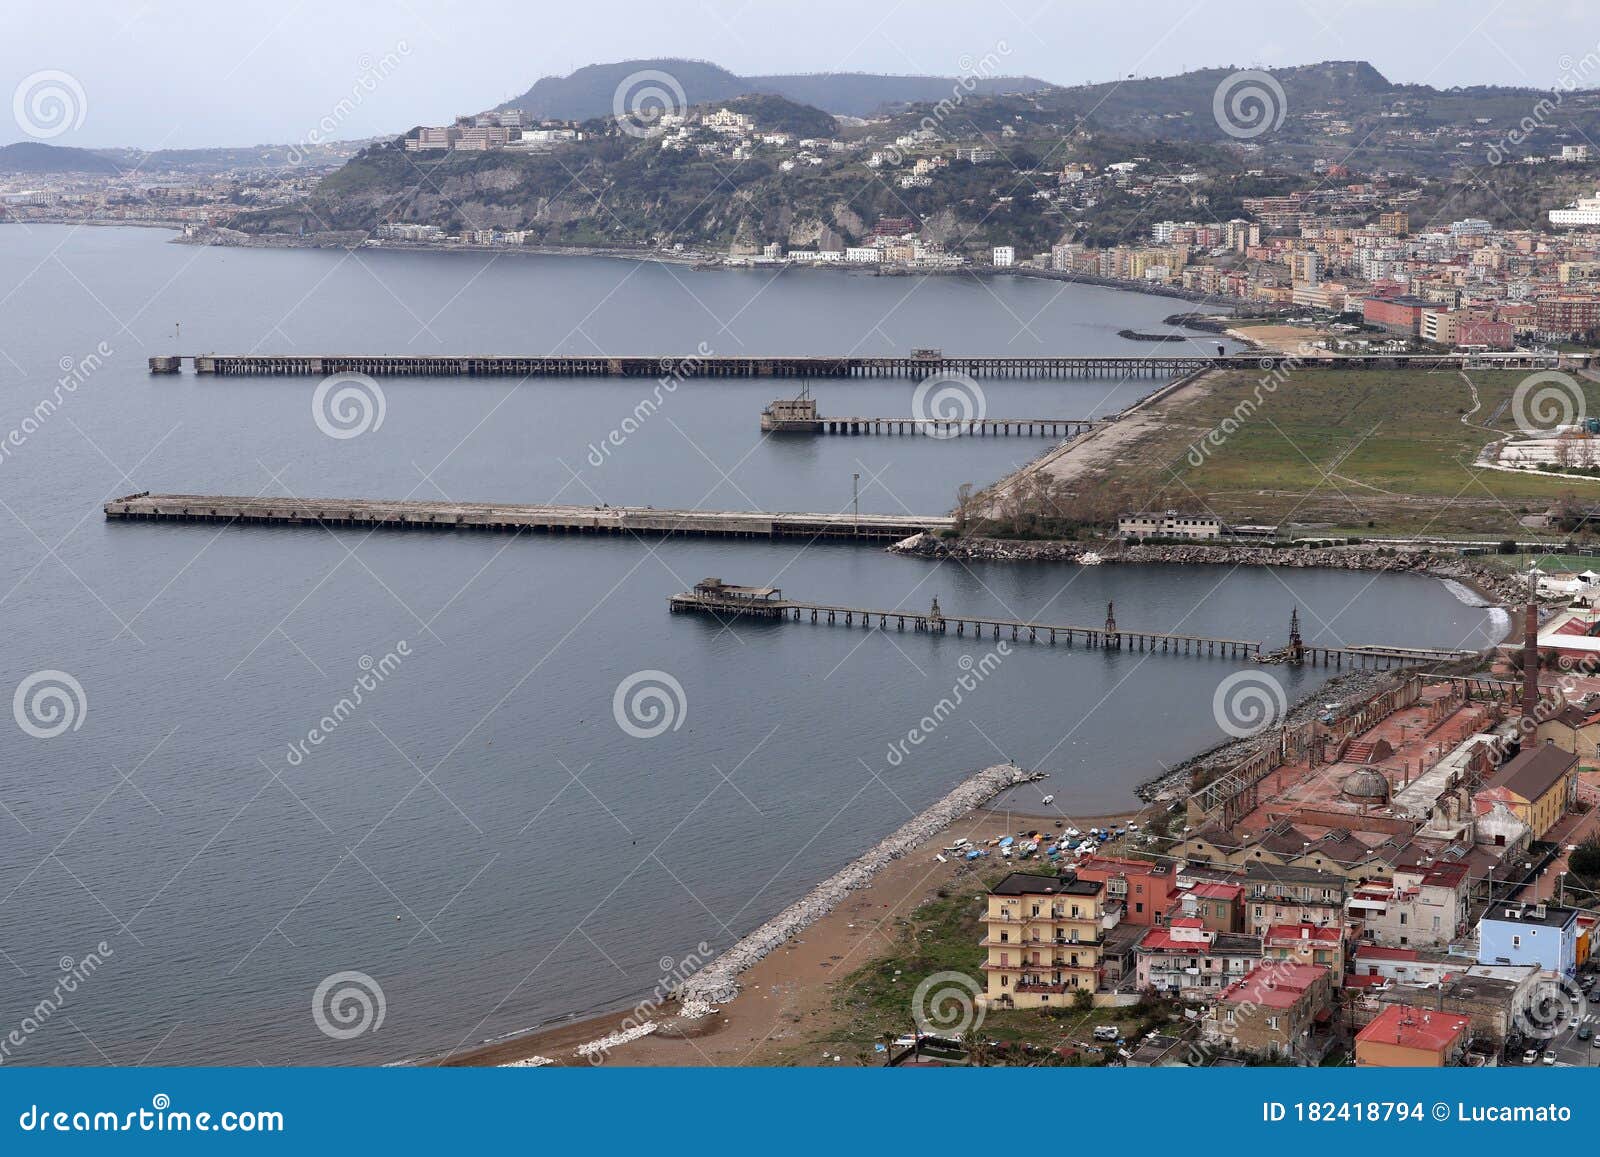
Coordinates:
[1538,786]
[1043,940]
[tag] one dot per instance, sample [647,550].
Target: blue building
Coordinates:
[1542,934]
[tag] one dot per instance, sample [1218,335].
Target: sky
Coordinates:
[183,73]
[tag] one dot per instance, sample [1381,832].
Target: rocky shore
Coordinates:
[718,982]
[1495,586]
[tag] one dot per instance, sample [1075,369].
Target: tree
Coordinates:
[1585,861]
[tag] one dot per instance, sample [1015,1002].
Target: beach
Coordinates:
[785,1014]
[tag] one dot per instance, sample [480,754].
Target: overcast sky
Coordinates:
[182,73]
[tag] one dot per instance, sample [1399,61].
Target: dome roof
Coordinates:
[1366,784]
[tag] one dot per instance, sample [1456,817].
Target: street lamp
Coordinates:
[855,497]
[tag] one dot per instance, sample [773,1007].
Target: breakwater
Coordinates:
[1498,586]
[718,982]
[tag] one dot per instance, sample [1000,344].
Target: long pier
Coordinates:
[726,602]
[714,597]
[517,517]
[730,366]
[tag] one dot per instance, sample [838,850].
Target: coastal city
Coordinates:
[663,560]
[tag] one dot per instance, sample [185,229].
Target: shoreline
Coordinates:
[788,993]
[698,260]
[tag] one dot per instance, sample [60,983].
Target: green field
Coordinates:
[1384,451]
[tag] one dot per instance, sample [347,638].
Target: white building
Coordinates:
[1583,211]
[1168,524]
[863,255]
[1004,256]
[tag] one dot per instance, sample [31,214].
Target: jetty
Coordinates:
[800,416]
[727,601]
[514,518]
[919,364]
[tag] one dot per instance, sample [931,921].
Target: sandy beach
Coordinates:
[785,1013]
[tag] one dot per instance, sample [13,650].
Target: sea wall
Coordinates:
[1498,586]
[719,981]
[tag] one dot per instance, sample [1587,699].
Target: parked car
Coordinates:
[1530,1057]
[1105,1032]
[1549,1057]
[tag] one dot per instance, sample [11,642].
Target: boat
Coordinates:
[1049,799]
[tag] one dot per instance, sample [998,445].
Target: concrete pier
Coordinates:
[517,517]
[917,366]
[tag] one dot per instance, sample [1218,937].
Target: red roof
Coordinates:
[1216,890]
[1413,1028]
[1275,985]
[1362,980]
[1306,932]
[1378,952]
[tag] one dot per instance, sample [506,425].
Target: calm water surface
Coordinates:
[479,834]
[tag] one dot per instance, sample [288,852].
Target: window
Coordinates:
[1272,1022]
[1516,942]
[1004,936]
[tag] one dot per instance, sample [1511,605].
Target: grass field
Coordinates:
[1388,451]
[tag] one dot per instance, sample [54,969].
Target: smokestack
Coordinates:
[1530,654]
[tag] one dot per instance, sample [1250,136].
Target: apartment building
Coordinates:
[1276,1009]
[1144,889]
[1042,940]
[1187,957]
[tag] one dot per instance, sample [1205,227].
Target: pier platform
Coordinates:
[518,517]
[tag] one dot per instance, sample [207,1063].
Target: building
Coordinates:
[1402,315]
[1541,934]
[1538,787]
[1583,211]
[1144,889]
[1305,944]
[1169,524]
[1423,906]
[1284,895]
[1567,316]
[1439,326]
[1576,729]
[1042,939]
[1217,904]
[1188,957]
[1004,256]
[1402,1037]
[1276,1009]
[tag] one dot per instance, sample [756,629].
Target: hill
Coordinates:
[592,91]
[36,157]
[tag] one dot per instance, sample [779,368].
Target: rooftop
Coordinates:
[1534,772]
[1411,1028]
[1029,884]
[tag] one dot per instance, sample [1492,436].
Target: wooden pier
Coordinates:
[516,517]
[714,597]
[918,366]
